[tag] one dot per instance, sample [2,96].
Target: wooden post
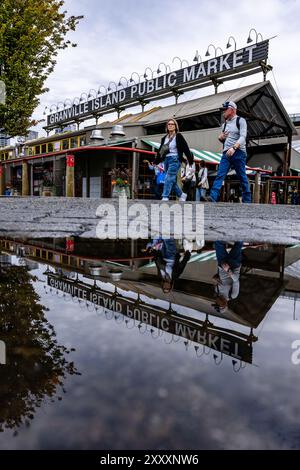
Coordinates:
[70,176]
[267,192]
[257,188]
[25,179]
[2,180]
[135,172]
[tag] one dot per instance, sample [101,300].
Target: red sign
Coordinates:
[70,161]
[70,244]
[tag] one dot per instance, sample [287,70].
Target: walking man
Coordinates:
[233,137]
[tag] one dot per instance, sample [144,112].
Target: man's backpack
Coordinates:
[238,118]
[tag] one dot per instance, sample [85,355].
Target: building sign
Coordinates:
[242,60]
[223,342]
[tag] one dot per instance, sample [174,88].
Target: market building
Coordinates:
[78,162]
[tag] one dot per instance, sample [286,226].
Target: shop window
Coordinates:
[82,140]
[30,151]
[74,142]
[65,144]
[44,148]
[38,253]
[145,182]
[50,147]
[37,149]
[57,146]
[65,259]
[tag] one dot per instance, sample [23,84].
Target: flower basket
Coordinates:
[121,178]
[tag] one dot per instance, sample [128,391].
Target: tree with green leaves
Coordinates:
[31,34]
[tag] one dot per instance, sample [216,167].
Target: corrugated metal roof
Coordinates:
[258,102]
[203,105]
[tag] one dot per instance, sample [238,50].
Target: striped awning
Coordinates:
[209,157]
[206,155]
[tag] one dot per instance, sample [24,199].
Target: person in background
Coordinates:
[159,178]
[295,199]
[202,184]
[173,146]
[188,178]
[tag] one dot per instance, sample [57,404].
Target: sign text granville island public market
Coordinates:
[219,66]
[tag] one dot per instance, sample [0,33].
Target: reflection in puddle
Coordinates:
[35,366]
[216,300]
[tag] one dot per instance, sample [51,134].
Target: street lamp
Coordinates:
[256,36]
[167,67]
[70,102]
[121,84]
[197,57]
[94,95]
[228,42]
[99,90]
[109,87]
[82,99]
[145,73]
[131,79]
[207,54]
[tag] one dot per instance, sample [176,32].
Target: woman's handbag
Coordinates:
[164,149]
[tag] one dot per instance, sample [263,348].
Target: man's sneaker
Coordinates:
[183,197]
[165,199]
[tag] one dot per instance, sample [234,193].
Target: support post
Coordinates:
[25,179]
[2,180]
[70,176]
[257,188]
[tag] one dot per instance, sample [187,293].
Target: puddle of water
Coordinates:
[149,344]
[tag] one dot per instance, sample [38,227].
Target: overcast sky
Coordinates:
[118,37]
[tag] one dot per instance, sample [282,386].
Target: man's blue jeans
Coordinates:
[233,258]
[172,165]
[238,162]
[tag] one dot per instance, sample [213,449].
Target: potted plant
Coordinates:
[47,187]
[120,180]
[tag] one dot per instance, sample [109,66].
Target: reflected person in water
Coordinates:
[227,279]
[170,264]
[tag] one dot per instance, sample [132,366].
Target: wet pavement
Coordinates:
[149,345]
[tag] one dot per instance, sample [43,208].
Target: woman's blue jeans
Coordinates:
[172,165]
[200,192]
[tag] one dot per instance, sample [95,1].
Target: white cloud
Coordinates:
[117,38]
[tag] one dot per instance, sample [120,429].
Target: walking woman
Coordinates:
[202,184]
[173,146]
